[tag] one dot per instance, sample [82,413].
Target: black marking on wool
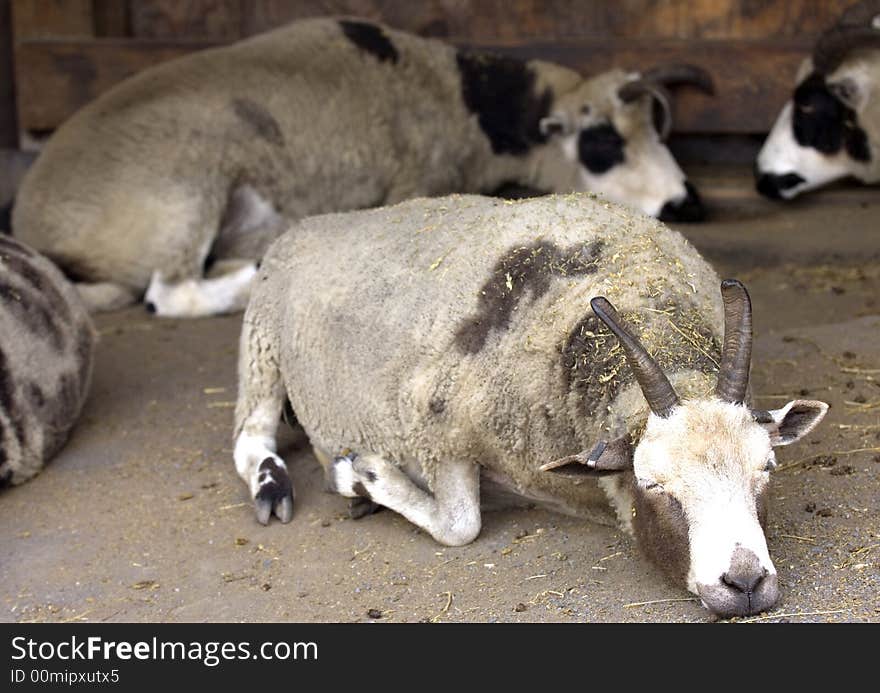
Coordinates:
[501,91]
[594,366]
[4,456]
[371,475]
[822,121]
[370,39]
[38,281]
[35,395]
[31,313]
[7,399]
[523,269]
[600,148]
[437,405]
[258,120]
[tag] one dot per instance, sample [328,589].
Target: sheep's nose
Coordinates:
[746,588]
[772,186]
[688,208]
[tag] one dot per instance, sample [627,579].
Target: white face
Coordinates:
[782,156]
[611,147]
[701,475]
[647,179]
[819,136]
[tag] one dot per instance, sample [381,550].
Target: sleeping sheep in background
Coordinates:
[46,348]
[174,182]
[442,348]
[831,127]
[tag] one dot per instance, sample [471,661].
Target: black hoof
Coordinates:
[275,494]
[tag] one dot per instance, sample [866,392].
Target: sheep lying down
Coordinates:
[170,186]
[562,348]
[46,352]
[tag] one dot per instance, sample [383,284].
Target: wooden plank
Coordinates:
[753,78]
[191,19]
[8,127]
[520,20]
[55,78]
[111,18]
[39,19]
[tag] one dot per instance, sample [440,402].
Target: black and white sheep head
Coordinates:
[830,128]
[613,129]
[699,474]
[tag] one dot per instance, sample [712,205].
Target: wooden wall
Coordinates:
[68,51]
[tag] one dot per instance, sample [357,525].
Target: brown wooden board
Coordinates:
[753,78]
[193,19]
[520,20]
[55,78]
[35,19]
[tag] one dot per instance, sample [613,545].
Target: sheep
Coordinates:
[441,348]
[830,128]
[197,162]
[46,351]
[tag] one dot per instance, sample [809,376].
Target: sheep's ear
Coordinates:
[616,456]
[793,421]
[554,124]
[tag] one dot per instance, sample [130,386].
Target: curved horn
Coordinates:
[655,386]
[681,73]
[736,355]
[835,44]
[639,87]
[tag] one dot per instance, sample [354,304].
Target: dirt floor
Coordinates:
[143,518]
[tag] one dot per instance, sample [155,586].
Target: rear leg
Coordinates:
[250,223]
[451,514]
[260,400]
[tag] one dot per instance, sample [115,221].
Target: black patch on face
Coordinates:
[501,92]
[596,370]
[600,148]
[823,122]
[528,268]
[661,529]
[259,120]
[370,38]
[360,489]
[437,406]
[371,476]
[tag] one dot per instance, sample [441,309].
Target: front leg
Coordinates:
[451,514]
